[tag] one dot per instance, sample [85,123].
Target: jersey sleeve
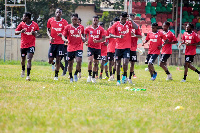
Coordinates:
[37,27]
[113,28]
[138,32]
[49,23]
[19,27]
[174,37]
[82,30]
[86,31]
[163,36]
[147,38]
[183,37]
[196,38]
[65,31]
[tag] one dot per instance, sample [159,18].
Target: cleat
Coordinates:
[169,77]
[154,76]
[134,77]
[118,82]
[111,78]
[23,73]
[69,77]
[71,80]
[89,79]
[152,79]
[94,80]
[124,80]
[75,78]
[79,75]
[64,73]
[100,76]
[53,67]
[55,78]
[28,78]
[130,81]
[183,80]
[105,78]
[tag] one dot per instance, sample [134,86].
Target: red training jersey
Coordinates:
[27,39]
[96,34]
[74,37]
[112,42]
[56,28]
[155,41]
[191,39]
[135,39]
[124,30]
[167,49]
[104,47]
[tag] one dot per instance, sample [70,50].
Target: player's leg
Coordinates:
[78,57]
[90,53]
[59,53]
[126,57]
[65,60]
[133,59]
[23,60]
[163,64]
[186,65]
[97,57]
[151,67]
[106,68]
[118,56]
[194,69]
[30,54]
[70,65]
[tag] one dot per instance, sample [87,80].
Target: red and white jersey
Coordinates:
[167,49]
[104,47]
[124,30]
[56,28]
[135,39]
[27,39]
[191,39]
[112,42]
[155,41]
[96,34]
[74,37]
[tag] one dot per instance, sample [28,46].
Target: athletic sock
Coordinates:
[118,77]
[101,71]
[23,68]
[151,75]
[80,71]
[185,77]
[197,71]
[90,72]
[28,71]
[93,75]
[56,73]
[131,73]
[53,63]
[167,72]
[114,71]
[76,72]
[154,72]
[107,74]
[111,73]
[70,74]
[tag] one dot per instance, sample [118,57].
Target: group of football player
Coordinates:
[116,45]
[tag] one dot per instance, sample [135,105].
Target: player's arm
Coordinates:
[165,42]
[49,34]
[147,39]
[101,40]
[115,36]
[19,30]
[134,25]
[134,35]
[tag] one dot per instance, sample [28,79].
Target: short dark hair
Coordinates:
[59,9]
[28,14]
[132,14]
[124,14]
[95,17]
[75,15]
[191,25]
[79,19]
[166,23]
[101,24]
[154,24]
[116,19]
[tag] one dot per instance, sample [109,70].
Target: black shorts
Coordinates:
[133,56]
[164,57]
[122,53]
[151,58]
[110,56]
[72,55]
[104,58]
[24,51]
[189,58]
[56,50]
[95,52]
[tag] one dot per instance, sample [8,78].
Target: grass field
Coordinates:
[45,105]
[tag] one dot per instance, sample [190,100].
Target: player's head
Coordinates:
[116,19]
[95,20]
[26,16]
[166,26]
[101,24]
[123,17]
[74,18]
[58,12]
[189,27]
[132,15]
[79,20]
[154,27]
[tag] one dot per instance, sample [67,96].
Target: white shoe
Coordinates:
[55,78]
[23,73]
[79,75]
[169,77]
[28,78]
[130,81]
[111,78]
[124,80]
[71,80]
[75,78]
[183,80]
[94,80]
[118,83]
[89,79]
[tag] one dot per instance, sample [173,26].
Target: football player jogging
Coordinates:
[74,33]
[133,55]
[55,27]
[167,49]
[95,36]
[104,59]
[79,22]
[155,37]
[28,30]
[191,40]
[123,29]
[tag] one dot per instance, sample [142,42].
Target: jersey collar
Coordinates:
[57,21]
